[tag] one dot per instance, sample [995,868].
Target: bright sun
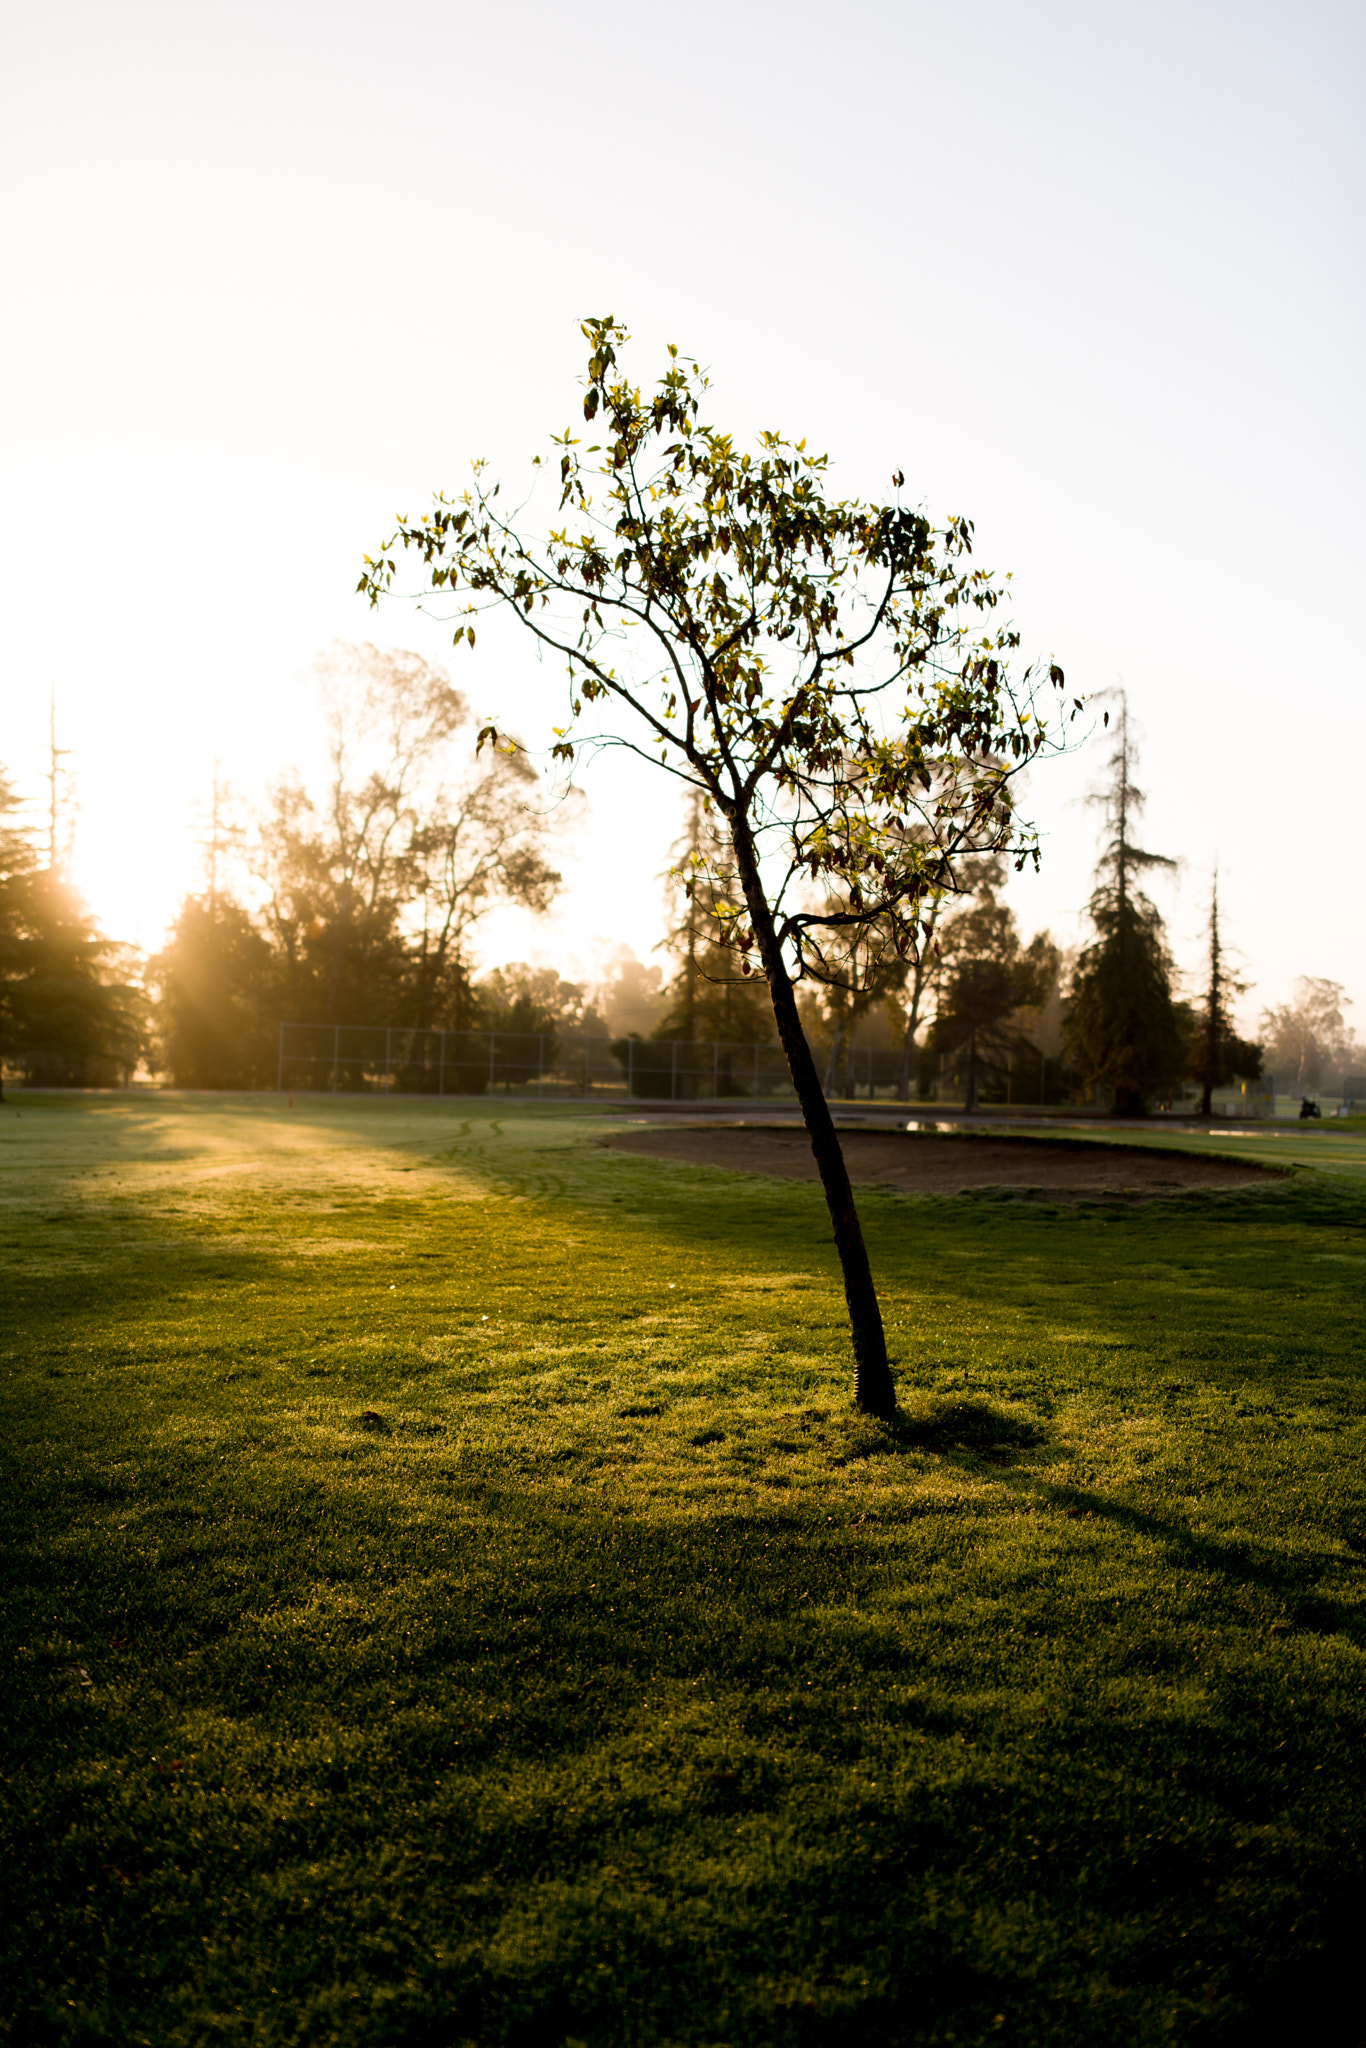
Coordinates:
[134,870]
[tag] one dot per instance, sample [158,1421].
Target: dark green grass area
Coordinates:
[448,1598]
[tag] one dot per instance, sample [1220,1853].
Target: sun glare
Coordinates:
[134,874]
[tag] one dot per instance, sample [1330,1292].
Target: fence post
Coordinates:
[280,1067]
[587,1053]
[673,1070]
[716,1070]
[440,1062]
[388,1059]
[492,1041]
[630,1069]
[540,1065]
[336,1055]
[756,1073]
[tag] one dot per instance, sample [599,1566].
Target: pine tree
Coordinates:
[69,1015]
[1124,1028]
[1217,1055]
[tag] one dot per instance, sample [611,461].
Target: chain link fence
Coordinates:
[357,1059]
[381,1059]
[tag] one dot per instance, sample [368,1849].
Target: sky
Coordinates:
[1089,274]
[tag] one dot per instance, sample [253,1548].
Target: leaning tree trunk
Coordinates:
[873,1387]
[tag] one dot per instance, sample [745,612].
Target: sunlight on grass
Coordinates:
[450,1596]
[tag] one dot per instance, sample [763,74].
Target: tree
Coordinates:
[712,999]
[539,999]
[986,978]
[224,836]
[18,868]
[861,968]
[1216,1054]
[523,1004]
[374,891]
[922,963]
[629,997]
[482,844]
[1308,1037]
[1124,1028]
[218,1007]
[823,674]
[70,1016]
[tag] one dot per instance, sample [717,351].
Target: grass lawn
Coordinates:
[448,1597]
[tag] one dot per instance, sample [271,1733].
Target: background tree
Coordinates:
[1216,1054]
[857,967]
[18,868]
[922,963]
[484,843]
[986,978]
[823,673]
[710,998]
[340,870]
[527,1004]
[1308,1039]
[224,836]
[71,1015]
[373,892]
[629,995]
[218,1007]
[62,803]
[1124,1028]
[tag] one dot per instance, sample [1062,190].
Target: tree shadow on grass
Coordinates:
[536,1768]
[954,1426]
[1239,1563]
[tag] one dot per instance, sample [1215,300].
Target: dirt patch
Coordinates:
[1049,1169]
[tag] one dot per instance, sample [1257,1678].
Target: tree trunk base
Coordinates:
[875,1391]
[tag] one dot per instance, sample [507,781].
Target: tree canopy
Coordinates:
[1309,1038]
[368,887]
[985,978]
[828,675]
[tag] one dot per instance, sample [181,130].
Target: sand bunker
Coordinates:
[1050,1169]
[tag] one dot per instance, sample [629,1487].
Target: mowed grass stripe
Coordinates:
[450,1597]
